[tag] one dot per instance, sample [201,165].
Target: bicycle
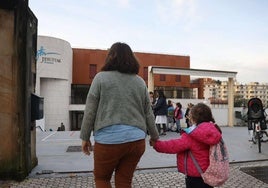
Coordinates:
[257,121]
[258,133]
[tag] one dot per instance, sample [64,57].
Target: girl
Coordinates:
[197,138]
[187,120]
[178,116]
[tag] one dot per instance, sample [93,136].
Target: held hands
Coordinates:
[86,147]
[152,142]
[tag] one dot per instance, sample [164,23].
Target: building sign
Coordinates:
[47,57]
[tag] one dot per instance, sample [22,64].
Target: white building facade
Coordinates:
[53,81]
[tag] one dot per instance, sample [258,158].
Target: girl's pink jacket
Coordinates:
[198,141]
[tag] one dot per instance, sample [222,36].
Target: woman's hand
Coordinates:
[86,147]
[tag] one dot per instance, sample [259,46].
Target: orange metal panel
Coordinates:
[82,58]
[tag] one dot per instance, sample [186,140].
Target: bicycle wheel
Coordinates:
[258,134]
[253,139]
[254,136]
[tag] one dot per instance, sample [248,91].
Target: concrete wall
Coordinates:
[8,100]
[18,36]
[220,114]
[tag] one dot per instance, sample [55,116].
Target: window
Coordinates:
[92,70]
[79,93]
[162,77]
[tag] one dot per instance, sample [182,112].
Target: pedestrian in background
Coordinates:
[118,110]
[197,138]
[170,116]
[160,111]
[151,95]
[152,98]
[178,116]
[187,119]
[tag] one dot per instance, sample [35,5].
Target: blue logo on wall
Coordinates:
[46,56]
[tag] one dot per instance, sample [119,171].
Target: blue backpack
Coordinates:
[171,111]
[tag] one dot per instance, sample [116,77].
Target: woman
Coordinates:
[160,111]
[197,138]
[118,110]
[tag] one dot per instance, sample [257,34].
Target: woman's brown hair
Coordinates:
[121,58]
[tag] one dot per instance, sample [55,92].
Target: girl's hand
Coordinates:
[152,142]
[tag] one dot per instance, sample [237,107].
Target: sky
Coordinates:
[226,35]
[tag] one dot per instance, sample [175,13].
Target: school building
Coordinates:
[64,75]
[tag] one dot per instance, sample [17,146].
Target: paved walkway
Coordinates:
[58,168]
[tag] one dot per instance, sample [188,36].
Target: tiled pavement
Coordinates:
[157,178]
[154,170]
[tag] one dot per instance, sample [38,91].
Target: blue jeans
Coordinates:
[178,123]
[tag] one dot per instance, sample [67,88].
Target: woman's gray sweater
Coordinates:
[117,98]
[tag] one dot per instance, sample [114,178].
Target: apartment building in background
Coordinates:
[216,91]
